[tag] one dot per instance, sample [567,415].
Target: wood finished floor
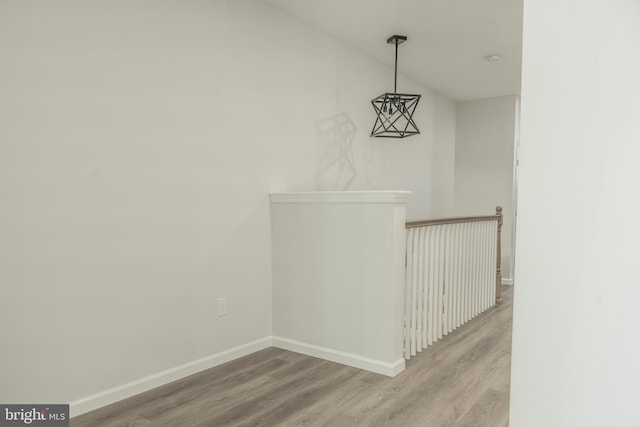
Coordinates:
[462,381]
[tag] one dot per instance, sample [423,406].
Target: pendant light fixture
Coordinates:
[395,110]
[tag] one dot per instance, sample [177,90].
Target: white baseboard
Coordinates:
[124,391]
[349,359]
[507,281]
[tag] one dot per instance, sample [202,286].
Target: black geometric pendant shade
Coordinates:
[394,111]
[395,115]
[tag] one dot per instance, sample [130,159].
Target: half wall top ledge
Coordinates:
[381,196]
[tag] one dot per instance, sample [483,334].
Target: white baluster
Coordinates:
[407,293]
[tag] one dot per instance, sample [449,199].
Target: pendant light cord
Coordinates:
[395,80]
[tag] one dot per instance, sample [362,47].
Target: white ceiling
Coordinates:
[447,39]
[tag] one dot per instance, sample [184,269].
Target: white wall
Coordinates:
[576,321]
[443,164]
[484,164]
[338,276]
[139,141]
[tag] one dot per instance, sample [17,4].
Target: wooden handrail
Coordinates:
[455,220]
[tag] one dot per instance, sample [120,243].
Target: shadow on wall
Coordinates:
[380,161]
[336,168]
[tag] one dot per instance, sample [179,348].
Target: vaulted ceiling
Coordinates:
[448,40]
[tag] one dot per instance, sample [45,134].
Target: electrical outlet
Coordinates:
[222,307]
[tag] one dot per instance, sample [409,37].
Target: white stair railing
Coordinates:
[452,275]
